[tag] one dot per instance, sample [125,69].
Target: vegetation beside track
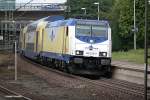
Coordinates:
[136,56]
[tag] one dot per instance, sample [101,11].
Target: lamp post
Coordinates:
[146,50]
[68,9]
[97,3]
[84,10]
[15,45]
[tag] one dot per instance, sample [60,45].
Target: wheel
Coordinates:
[108,73]
[65,67]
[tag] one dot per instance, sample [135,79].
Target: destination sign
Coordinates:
[92,22]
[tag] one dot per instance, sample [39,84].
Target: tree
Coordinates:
[123,22]
[76,5]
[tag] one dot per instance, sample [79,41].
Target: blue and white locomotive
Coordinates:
[78,45]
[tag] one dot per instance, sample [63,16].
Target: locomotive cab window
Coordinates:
[100,31]
[83,30]
[92,31]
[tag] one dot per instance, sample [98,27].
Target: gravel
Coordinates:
[39,84]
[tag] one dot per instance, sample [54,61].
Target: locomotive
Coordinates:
[78,46]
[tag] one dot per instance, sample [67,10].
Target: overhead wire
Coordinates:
[24,5]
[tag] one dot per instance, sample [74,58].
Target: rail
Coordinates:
[115,86]
[11,94]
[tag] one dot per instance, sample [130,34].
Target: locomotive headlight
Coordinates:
[103,54]
[91,41]
[78,52]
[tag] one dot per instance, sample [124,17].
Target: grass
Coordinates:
[136,56]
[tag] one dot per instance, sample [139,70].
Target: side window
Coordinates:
[67,31]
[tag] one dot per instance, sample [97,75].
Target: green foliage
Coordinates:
[76,5]
[123,22]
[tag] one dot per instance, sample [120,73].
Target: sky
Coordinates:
[41,1]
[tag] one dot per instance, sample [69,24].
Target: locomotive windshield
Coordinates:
[99,31]
[92,31]
[83,30]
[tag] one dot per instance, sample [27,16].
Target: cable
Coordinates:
[21,7]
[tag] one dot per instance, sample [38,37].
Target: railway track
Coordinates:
[124,84]
[112,86]
[11,95]
[116,87]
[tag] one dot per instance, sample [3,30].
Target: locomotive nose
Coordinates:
[91,47]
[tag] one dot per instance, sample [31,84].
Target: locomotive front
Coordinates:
[92,45]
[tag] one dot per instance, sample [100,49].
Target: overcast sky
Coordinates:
[41,1]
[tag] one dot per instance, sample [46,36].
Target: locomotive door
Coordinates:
[65,40]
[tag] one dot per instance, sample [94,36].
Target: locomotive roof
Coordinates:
[49,19]
[54,18]
[72,22]
[60,21]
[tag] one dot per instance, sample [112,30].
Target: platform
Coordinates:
[129,71]
[129,65]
